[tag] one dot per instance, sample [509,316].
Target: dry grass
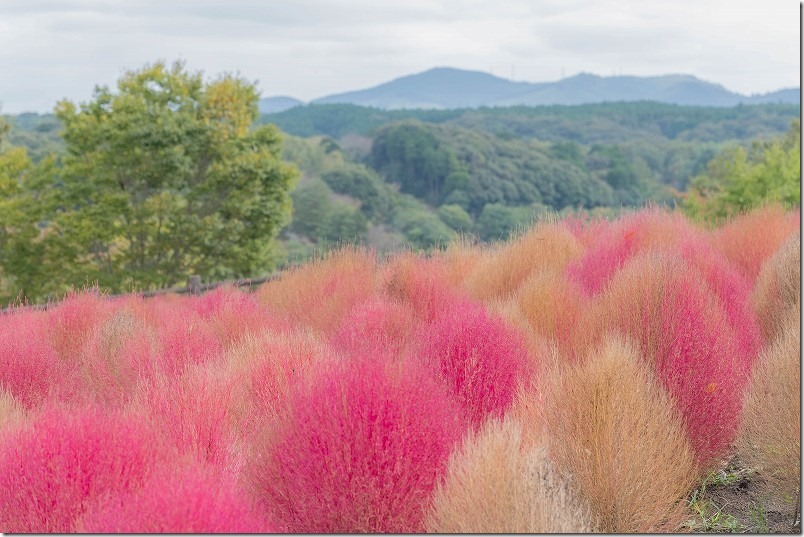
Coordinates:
[493,486]
[319,293]
[613,429]
[770,433]
[545,247]
[778,287]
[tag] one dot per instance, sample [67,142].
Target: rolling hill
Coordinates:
[449,88]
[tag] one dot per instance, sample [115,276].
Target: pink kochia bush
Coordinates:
[480,358]
[376,325]
[360,450]
[53,468]
[232,314]
[29,365]
[685,335]
[612,244]
[70,322]
[732,290]
[193,412]
[191,498]
[185,339]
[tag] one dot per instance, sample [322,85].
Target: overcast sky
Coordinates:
[55,49]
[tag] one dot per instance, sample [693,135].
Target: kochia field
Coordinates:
[586,375]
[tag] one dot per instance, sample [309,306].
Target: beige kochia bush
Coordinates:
[770,435]
[493,486]
[320,292]
[778,287]
[546,247]
[12,413]
[612,428]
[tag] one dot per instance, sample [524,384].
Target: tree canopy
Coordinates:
[161,179]
[737,180]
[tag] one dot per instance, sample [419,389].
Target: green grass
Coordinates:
[709,517]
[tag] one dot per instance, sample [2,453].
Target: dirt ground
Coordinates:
[734,501]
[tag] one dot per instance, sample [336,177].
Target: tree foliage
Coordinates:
[161,179]
[737,180]
[413,156]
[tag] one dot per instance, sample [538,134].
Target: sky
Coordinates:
[61,49]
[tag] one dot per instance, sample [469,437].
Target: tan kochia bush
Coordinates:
[750,239]
[12,413]
[265,366]
[770,435]
[551,305]
[612,428]
[546,247]
[319,293]
[538,346]
[119,350]
[460,259]
[778,287]
[492,486]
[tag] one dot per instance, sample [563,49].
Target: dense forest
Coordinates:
[422,178]
[419,177]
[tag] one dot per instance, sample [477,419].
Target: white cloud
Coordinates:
[309,48]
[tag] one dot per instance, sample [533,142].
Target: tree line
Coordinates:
[170,175]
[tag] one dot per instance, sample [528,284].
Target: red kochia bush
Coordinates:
[233,313]
[480,358]
[686,336]
[52,469]
[376,325]
[360,450]
[418,283]
[188,499]
[70,322]
[185,339]
[610,245]
[193,411]
[29,365]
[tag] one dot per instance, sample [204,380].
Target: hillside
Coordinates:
[272,105]
[418,178]
[448,88]
[588,123]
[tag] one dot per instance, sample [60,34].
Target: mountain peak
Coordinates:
[449,87]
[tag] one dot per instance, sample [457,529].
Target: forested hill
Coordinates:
[585,124]
[418,178]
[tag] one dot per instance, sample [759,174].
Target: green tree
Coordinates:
[737,180]
[363,184]
[312,204]
[498,222]
[165,178]
[420,226]
[411,155]
[345,223]
[455,217]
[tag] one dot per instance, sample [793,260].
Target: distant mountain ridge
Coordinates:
[449,88]
[273,105]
